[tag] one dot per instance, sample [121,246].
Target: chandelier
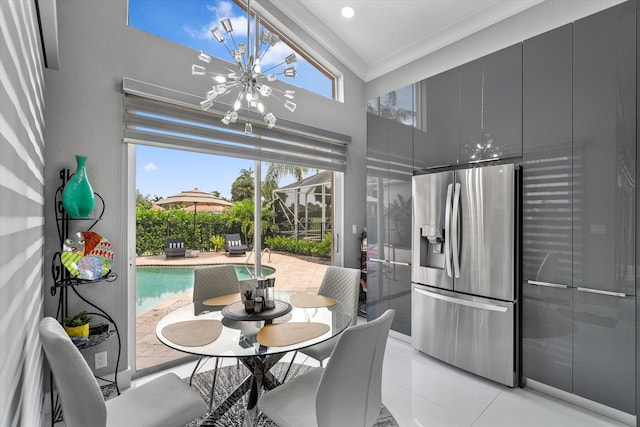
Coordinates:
[248,83]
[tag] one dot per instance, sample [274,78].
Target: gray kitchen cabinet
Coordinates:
[389,172]
[604,147]
[579,236]
[604,349]
[491,106]
[547,336]
[604,186]
[437,134]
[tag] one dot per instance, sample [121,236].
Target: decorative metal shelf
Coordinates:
[66,284]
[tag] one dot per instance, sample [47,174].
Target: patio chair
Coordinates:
[164,402]
[175,248]
[233,245]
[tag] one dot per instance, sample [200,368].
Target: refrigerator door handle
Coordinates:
[474,304]
[447,231]
[455,233]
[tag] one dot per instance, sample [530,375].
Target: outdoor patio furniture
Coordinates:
[233,245]
[175,248]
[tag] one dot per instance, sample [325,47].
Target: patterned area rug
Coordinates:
[230,376]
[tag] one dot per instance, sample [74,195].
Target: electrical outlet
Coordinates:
[100,360]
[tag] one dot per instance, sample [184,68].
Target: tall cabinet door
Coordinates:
[377,181]
[390,169]
[437,136]
[547,210]
[491,106]
[604,146]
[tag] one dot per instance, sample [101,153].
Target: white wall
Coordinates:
[97,49]
[543,17]
[21,214]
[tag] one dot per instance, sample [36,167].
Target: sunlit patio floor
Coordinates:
[292,274]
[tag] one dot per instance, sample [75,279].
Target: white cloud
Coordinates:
[149,167]
[276,55]
[223,10]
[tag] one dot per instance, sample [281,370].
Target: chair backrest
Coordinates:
[175,243]
[80,394]
[350,391]
[343,285]
[210,282]
[232,239]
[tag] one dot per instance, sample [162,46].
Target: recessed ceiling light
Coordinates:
[348,12]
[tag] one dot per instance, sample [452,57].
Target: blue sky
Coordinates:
[163,172]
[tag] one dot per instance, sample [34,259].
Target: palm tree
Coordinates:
[242,215]
[276,171]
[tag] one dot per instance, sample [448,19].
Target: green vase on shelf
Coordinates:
[77,197]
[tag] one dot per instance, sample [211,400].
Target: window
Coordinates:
[188,22]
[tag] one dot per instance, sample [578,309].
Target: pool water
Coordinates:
[158,284]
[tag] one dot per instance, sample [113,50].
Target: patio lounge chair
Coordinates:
[175,248]
[233,245]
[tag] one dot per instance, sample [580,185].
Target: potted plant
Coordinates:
[77,325]
[248,301]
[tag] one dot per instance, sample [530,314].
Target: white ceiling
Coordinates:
[387,34]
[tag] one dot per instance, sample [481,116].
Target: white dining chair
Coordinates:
[347,393]
[164,402]
[343,285]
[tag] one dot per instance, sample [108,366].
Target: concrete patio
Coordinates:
[292,274]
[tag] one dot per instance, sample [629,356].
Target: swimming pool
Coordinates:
[158,284]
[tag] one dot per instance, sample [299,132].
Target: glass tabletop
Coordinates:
[238,338]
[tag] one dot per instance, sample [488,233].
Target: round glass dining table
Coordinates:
[241,339]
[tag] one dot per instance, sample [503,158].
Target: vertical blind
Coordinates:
[163,117]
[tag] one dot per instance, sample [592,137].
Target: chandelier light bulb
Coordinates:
[261,107]
[212,94]
[270,120]
[237,105]
[265,36]
[217,34]
[291,106]
[198,70]
[204,57]
[271,77]
[249,96]
[220,79]
[226,24]
[291,59]
[265,91]
[290,72]
[206,104]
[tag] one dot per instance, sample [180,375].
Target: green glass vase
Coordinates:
[77,197]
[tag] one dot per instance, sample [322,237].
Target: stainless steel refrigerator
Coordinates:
[464,269]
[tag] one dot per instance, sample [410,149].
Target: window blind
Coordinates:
[163,117]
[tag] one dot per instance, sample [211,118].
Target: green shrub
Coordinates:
[217,243]
[301,247]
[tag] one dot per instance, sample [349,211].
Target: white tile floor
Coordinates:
[421,391]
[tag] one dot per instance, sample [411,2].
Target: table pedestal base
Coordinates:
[259,379]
